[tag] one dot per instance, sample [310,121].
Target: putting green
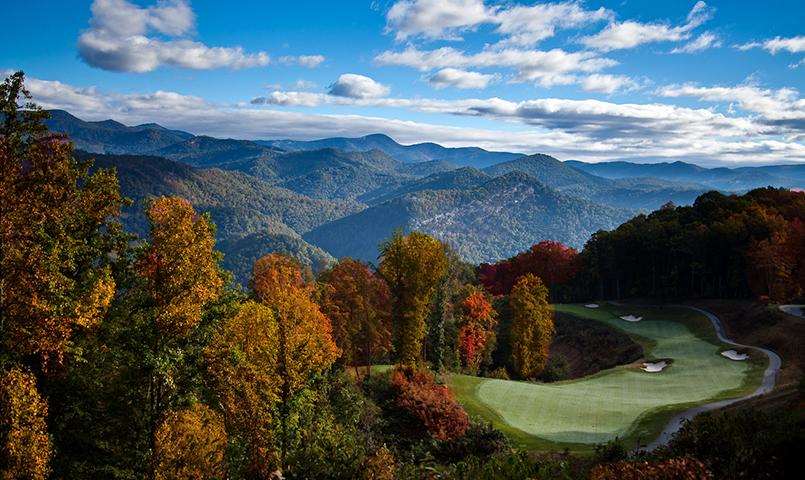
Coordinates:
[624,401]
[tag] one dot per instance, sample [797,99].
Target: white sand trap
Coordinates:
[733,355]
[592,305]
[655,367]
[631,318]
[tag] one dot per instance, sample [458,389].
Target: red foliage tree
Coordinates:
[477,320]
[555,263]
[432,404]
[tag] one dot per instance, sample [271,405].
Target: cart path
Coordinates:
[766,386]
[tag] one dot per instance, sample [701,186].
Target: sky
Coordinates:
[713,83]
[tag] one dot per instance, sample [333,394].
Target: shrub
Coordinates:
[684,468]
[744,444]
[480,440]
[432,404]
[612,451]
[500,373]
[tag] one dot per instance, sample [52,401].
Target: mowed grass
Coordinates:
[621,402]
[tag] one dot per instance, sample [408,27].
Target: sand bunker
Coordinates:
[592,305]
[733,355]
[631,318]
[654,367]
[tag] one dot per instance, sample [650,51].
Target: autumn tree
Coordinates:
[555,263]
[242,363]
[358,303]
[58,223]
[477,320]
[265,356]
[181,265]
[174,277]
[25,448]
[190,444]
[412,265]
[532,326]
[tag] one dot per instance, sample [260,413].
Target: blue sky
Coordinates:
[713,83]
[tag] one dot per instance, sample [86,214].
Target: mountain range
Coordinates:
[323,199]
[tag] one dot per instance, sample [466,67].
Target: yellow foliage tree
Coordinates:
[181,265]
[25,448]
[265,355]
[412,265]
[190,445]
[532,326]
[242,362]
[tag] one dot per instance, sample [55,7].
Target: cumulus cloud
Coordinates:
[703,42]
[630,34]
[585,129]
[357,86]
[607,83]
[454,77]
[777,44]
[435,19]
[521,25]
[547,68]
[121,38]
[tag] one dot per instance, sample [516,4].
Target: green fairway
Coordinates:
[623,401]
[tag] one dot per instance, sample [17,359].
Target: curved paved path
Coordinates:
[766,385]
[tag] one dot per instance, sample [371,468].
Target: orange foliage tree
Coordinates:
[532,326]
[57,225]
[477,320]
[432,404]
[25,448]
[413,266]
[358,303]
[190,444]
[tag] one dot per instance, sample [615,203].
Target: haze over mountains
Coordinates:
[336,197]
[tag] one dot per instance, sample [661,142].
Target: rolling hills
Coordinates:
[322,199]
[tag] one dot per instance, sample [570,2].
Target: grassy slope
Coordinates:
[623,401]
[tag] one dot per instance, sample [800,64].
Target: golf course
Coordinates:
[625,401]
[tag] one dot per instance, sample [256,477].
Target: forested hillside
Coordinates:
[489,221]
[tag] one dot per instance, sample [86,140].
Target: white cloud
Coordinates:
[702,42]
[547,68]
[357,86]
[118,39]
[526,25]
[607,83]
[309,61]
[520,25]
[774,45]
[630,34]
[453,77]
[781,107]
[435,19]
